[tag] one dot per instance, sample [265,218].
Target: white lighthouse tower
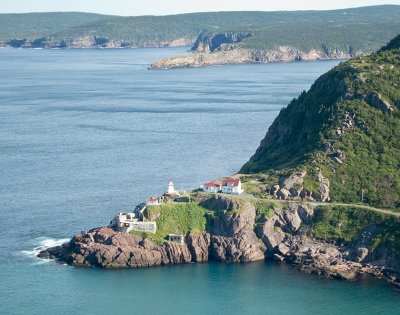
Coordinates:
[171,189]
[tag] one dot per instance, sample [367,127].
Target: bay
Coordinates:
[87,133]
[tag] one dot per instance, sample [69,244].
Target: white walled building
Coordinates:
[176,238]
[127,221]
[212,187]
[232,186]
[152,201]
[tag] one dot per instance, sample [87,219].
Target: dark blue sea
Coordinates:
[87,133]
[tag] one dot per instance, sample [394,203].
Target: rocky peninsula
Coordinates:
[322,190]
[237,55]
[237,231]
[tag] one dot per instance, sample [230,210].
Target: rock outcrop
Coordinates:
[376,100]
[321,258]
[236,55]
[106,248]
[236,236]
[233,238]
[211,42]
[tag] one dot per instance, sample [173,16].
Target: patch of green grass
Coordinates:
[156,239]
[180,218]
[265,209]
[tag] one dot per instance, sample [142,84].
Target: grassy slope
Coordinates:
[372,148]
[184,218]
[179,218]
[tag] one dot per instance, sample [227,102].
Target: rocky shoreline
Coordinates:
[240,56]
[234,236]
[91,42]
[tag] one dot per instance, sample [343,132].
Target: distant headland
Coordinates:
[215,37]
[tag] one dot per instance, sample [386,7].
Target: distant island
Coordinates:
[215,37]
[321,192]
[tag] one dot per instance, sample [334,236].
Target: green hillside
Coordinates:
[34,25]
[363,29]
[347,125]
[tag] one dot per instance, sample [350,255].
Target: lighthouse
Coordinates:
[171,189]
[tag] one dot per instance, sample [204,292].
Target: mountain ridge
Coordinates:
[94,30]
[346,127]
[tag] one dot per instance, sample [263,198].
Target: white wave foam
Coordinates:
[42,243]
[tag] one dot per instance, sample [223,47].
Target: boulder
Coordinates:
[362,253]
[294,192]
[290,181]
[291,218]
[338,160]
[323,189]
[306,212]
[340,154]
[275,189]
[278,257]
[283,249]
[270,234]
[283,194]
[376,100]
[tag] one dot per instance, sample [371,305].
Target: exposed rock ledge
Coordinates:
[105,248]
[240,55]
[235,236]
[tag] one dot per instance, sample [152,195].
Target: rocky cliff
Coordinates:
[89,41]
[241,231]
[206,42]
[225,54]
[106,248]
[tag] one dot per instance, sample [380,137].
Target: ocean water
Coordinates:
[87,133]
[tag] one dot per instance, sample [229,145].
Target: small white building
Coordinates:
[176,238]
[232,186]
[170,190]
[212,187]
[127,221]
[152,201]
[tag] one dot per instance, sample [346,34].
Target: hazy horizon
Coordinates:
[157,7]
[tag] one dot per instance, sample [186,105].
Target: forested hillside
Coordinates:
[361,29]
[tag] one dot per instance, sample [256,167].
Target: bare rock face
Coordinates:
[321,258]
[270,234]
[233,237]
[291,218]
[305,212]
[323,189]
[283,194]
[212,42]
[292,180]
[198,246]
[106,248]
[378,102]
[243,248]
[272,231]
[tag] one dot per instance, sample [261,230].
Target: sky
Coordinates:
[164,7]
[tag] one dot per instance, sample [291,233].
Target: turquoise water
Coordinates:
[87,133]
